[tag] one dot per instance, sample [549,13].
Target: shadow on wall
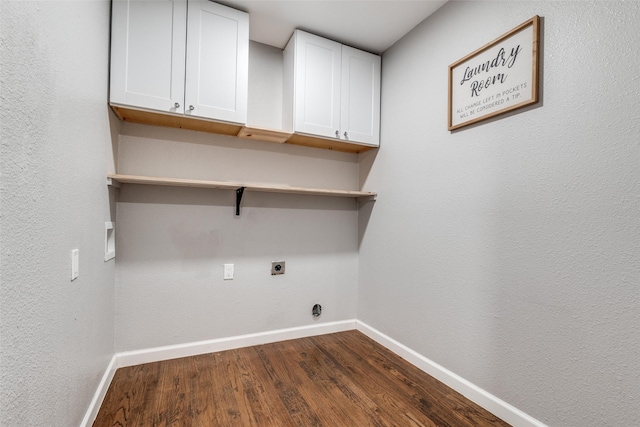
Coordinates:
[162,223]
[114,130]
[225,141]
[188,196]
[366,161]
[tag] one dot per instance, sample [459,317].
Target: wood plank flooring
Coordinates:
[341,379]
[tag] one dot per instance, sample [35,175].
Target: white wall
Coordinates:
[56,336]
[172,242]
[265,86]
[514,243]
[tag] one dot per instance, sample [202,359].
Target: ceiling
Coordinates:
[372,25]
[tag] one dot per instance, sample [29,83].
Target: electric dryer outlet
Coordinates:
[277,267]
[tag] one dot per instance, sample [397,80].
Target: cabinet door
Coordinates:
[147,54]
[317,85]
[217,62]
[360,93]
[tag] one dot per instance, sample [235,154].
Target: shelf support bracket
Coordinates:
[239,193]
[112,183]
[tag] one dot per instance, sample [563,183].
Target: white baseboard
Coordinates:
[469,390]
[131,358]
[101,392]
[472,392]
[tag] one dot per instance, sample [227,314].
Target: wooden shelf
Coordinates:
[116,179]
[180,121]
[133,115]
[282,137]
[262,134]
[327,143]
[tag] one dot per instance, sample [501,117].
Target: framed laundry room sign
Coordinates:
[499,77]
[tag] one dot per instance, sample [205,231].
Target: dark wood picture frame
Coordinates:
[499,77]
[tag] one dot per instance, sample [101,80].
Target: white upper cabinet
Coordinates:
[317,79]
[178,56]
[331,90]
[360,96]
[217,62]
[148,47]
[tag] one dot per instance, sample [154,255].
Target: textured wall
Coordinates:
[515,243]
[56,336]
[172,242]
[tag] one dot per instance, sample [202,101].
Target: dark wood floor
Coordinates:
[342,379]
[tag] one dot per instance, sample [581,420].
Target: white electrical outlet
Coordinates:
[228,272]
[75,264]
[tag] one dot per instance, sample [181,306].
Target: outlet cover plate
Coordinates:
[228,272]
[277,267]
